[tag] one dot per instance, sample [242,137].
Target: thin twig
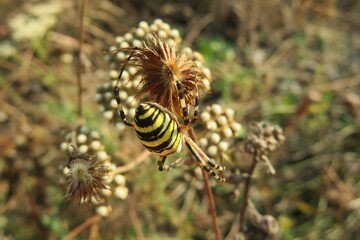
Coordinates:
[94,231]
[211,203]
[82,227]
[69,43]
[197,28]
[136,222]
[142,157]
[80,62]
[246,195]
[209,193]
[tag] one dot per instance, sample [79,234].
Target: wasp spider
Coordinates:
[160,132]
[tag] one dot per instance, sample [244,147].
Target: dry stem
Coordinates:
[136,222]
[209,193]
[80,62]
[246,195]
[82,227]
[125,168]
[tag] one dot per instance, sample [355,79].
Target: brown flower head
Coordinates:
[264,138]
[85,177]
[160,67]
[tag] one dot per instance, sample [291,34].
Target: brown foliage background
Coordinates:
[295,63]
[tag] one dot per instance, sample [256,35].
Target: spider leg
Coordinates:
[163,166]
[120,109]
[205,162]
[117,90]
[196,109]
[184,110]
[126,61]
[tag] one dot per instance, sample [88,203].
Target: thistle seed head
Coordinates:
[160,68]
[263,139]
[85,177]
[152,70]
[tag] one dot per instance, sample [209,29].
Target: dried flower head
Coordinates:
[263,139]
[161,68]
[85,177]
[129,83]
[91,178]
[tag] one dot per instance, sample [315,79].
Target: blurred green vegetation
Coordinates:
[294,63]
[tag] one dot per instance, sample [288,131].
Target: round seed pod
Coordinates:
[203,142]
[222,120]
[88,142]
[104,211]
[223,146]
[81,138]
[215,138]
[212,150]
[83,149]
[216,109]
[120,179]
[121,192]
[106,192]
[205,116]
[95,145]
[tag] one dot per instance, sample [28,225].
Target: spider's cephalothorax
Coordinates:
[160,132]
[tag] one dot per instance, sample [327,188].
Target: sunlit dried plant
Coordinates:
[263,139]
[161,68]
[86,177]
[171,82]
[128,84]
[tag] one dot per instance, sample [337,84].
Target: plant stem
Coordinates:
[246,195]
[125,168]
[209,193]
[80,62]
[82,227]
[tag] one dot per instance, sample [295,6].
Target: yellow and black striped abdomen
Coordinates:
[157,130]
